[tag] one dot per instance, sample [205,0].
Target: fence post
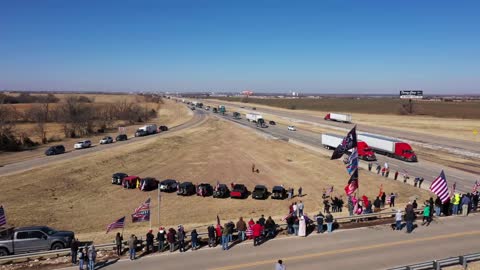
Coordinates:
[436,265]
[463,262]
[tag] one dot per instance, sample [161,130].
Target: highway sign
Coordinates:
[411,94]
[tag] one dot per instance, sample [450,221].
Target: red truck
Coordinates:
[239,191]
[331,141]
[389,147]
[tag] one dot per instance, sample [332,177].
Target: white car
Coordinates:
[291,128]
[106,140]
[82,144]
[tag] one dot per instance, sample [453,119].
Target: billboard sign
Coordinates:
[411,94]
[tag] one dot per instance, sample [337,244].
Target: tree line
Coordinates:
[78,115]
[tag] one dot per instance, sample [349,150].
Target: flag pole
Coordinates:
[150,219]
[158,214]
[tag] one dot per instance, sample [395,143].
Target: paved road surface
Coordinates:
[45,160]
[365,248]
[454,145]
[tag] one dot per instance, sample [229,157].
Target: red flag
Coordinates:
[380,193]
[218,220]
[352,183]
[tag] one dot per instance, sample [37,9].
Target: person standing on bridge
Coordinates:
[92,256]
[300,207]
[466,204]
[456,203]
[280,266]
[241,228]
[426,214]
[383,198]
[74,250]
[398,220]
[319,218]
[370,166]
[329,221]
[161,238]
[420,181]
[149,237]
[257,232]
[392,200]
[378,168]
[81,259]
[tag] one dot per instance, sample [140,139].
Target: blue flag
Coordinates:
[352,163]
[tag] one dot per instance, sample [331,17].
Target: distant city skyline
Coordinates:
[331,46]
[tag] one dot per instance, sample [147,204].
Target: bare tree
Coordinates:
[40,115]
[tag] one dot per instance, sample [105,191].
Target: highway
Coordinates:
[197,119]
[365,248]
[454,145]
[426,169]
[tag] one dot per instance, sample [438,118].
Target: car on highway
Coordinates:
[204,190]
[32,239]
[207,108]
[82,144]
[192,108]
[121,137]
[168,185]
[279,193]
[272,123]
[260,192]
[239,191]
[106,140]
[163,128]
[55,150]
[117,178]
[186,189]
[291,128]
[221,191]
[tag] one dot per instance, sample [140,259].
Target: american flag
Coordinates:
[329,191]
[440,187]
[352,163]
[142,213]
[119,224]
[3,218]
[475,186]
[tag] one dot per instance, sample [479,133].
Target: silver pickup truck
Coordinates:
[32,239]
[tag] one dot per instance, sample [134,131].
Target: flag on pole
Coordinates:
[218,220]
[440,187]
[329,191]
[119,224]
[380,193]
[454,187]
[352,183]
[3,218]
[349,142]
[475,187]
[142,213]
[352,163]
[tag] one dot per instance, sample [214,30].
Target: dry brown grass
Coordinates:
[76,194]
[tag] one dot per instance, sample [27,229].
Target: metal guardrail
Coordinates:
[463,260]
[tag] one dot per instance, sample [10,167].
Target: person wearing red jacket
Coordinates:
[257,232]
[218,230]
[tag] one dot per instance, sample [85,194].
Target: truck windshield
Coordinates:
[49,231]
[408,151]
[367,149]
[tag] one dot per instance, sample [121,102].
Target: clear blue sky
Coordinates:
[332,46]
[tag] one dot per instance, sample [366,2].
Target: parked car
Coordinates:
[117,178]
[260,192]
[141,133]
[121,137]
[279,193]
[221,191]
[55,150]
[131,181]
[291,128]
[148,184]
[186,189]
[192,108]
[82,144]
[204,190]
[207,108]
[168,185]
[32,239]
[239,191]
[253,108]
[272,123]
[163,128]
[106,140]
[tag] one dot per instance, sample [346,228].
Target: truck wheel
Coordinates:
[3,252]
[58,246]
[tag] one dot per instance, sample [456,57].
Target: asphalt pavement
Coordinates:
[365,248]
